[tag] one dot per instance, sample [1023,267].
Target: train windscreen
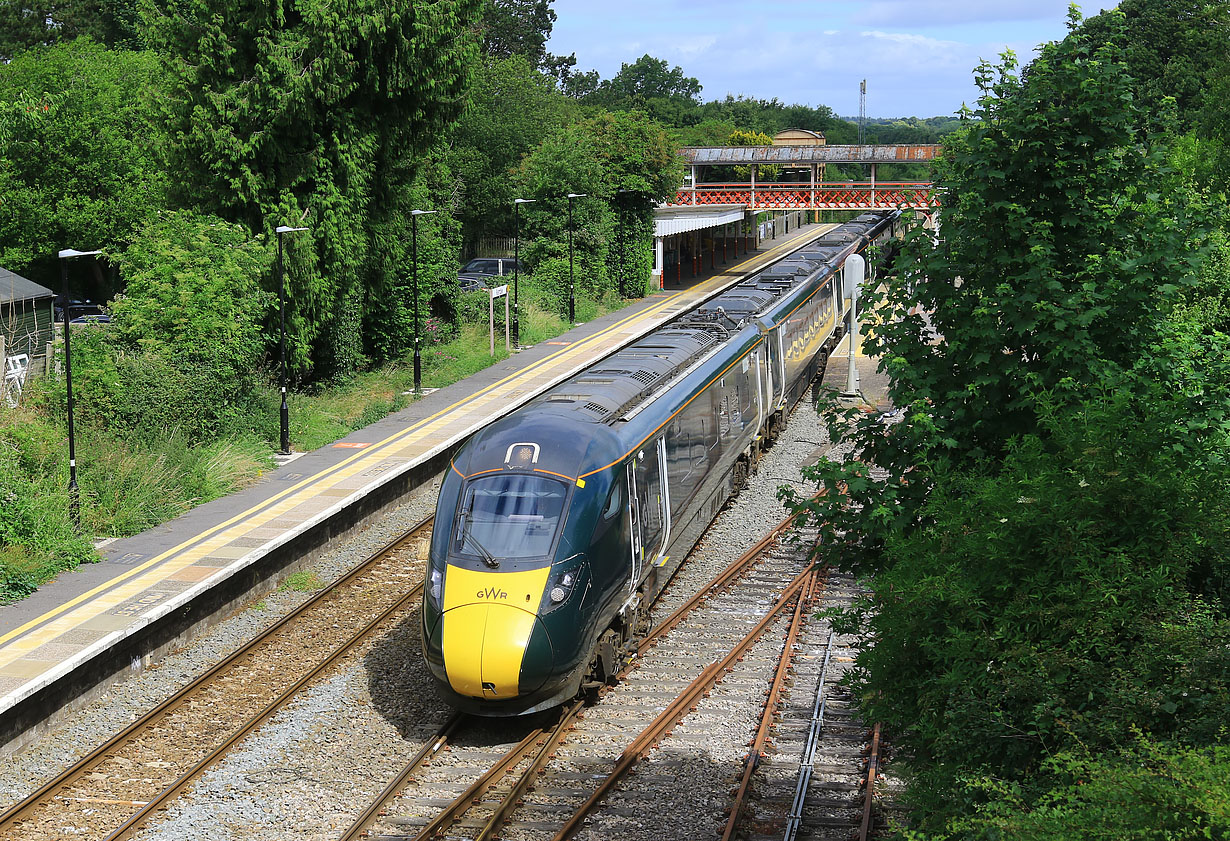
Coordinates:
[510,516]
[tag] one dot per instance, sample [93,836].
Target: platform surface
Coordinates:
[82,613]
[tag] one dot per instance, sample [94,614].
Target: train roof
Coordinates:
[613,388]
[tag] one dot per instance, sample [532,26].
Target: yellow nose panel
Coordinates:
[488,619]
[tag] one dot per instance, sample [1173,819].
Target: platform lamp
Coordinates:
[572,283]
[516,325]
[74,494]
[285,416]
[414,260]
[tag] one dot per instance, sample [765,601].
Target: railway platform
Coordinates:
[152,590]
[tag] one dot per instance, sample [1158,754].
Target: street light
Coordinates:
[279,230]
[572,283]
[74,495]
[516,325]
[414,259]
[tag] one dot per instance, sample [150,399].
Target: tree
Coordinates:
[70,173]
[651,85]
[191,320]
[312,113]
[25,26]
[511,108]
[518,27]
[1048,537]
[1173,50]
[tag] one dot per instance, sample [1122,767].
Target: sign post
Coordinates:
[852,274]
[498,292]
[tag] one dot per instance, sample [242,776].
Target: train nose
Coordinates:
[495,651]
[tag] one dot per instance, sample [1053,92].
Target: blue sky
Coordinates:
[916,55]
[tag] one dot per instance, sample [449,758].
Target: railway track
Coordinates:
[112,791]
[475,782]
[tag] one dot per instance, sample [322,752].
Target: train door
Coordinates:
[648,507]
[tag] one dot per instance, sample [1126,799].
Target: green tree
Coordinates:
[25,26]
[312,113]
[651,85]
[518,27]
[1173,50]
[70,173]
[511,109]
[188,331]
[1048,537]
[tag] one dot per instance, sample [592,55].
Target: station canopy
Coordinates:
[680,219]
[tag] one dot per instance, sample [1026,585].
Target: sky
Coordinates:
[917,56]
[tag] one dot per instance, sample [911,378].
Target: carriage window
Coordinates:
[510,516]
[612,503]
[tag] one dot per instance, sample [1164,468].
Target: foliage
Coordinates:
[650,84]
[1057,214]
[739,137]
[388,317]
[621,162]
[1146,791]
[1173,50]
[518,27]
[511,108]
[70,173]
[25,25]
[315,115]
[37,538]
[1076,590]
[1048,528]
[187,335]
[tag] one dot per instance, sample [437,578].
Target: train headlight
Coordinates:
[559,591]
[435,587]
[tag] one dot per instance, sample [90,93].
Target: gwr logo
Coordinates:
[493,593]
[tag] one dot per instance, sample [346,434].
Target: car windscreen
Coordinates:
[510,516]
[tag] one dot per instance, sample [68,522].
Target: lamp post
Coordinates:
[414,259]
[572,283]
[74,494]
[285,416]
[516,318]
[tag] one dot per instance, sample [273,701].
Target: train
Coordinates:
[558,524]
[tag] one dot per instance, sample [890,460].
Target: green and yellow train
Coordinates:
[557,525]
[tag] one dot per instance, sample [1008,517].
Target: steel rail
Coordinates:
[769,713]
[22,811]
[873,765]
[720,582]
[453,812]
[682,704]
[132,824]
[368,816]
[509,802]
[462,803]
[806,762]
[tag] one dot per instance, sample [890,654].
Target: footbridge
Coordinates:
[799,183]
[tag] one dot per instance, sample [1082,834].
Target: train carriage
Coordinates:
[557,524]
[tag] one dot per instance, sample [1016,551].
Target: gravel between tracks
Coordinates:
[306,772]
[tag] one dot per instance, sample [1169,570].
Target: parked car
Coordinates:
[491,266]
[91,318]
[76,308]
[471,282]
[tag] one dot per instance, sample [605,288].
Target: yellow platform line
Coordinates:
[200,545]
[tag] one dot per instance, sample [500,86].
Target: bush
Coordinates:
[1055,601]
[1148,791]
